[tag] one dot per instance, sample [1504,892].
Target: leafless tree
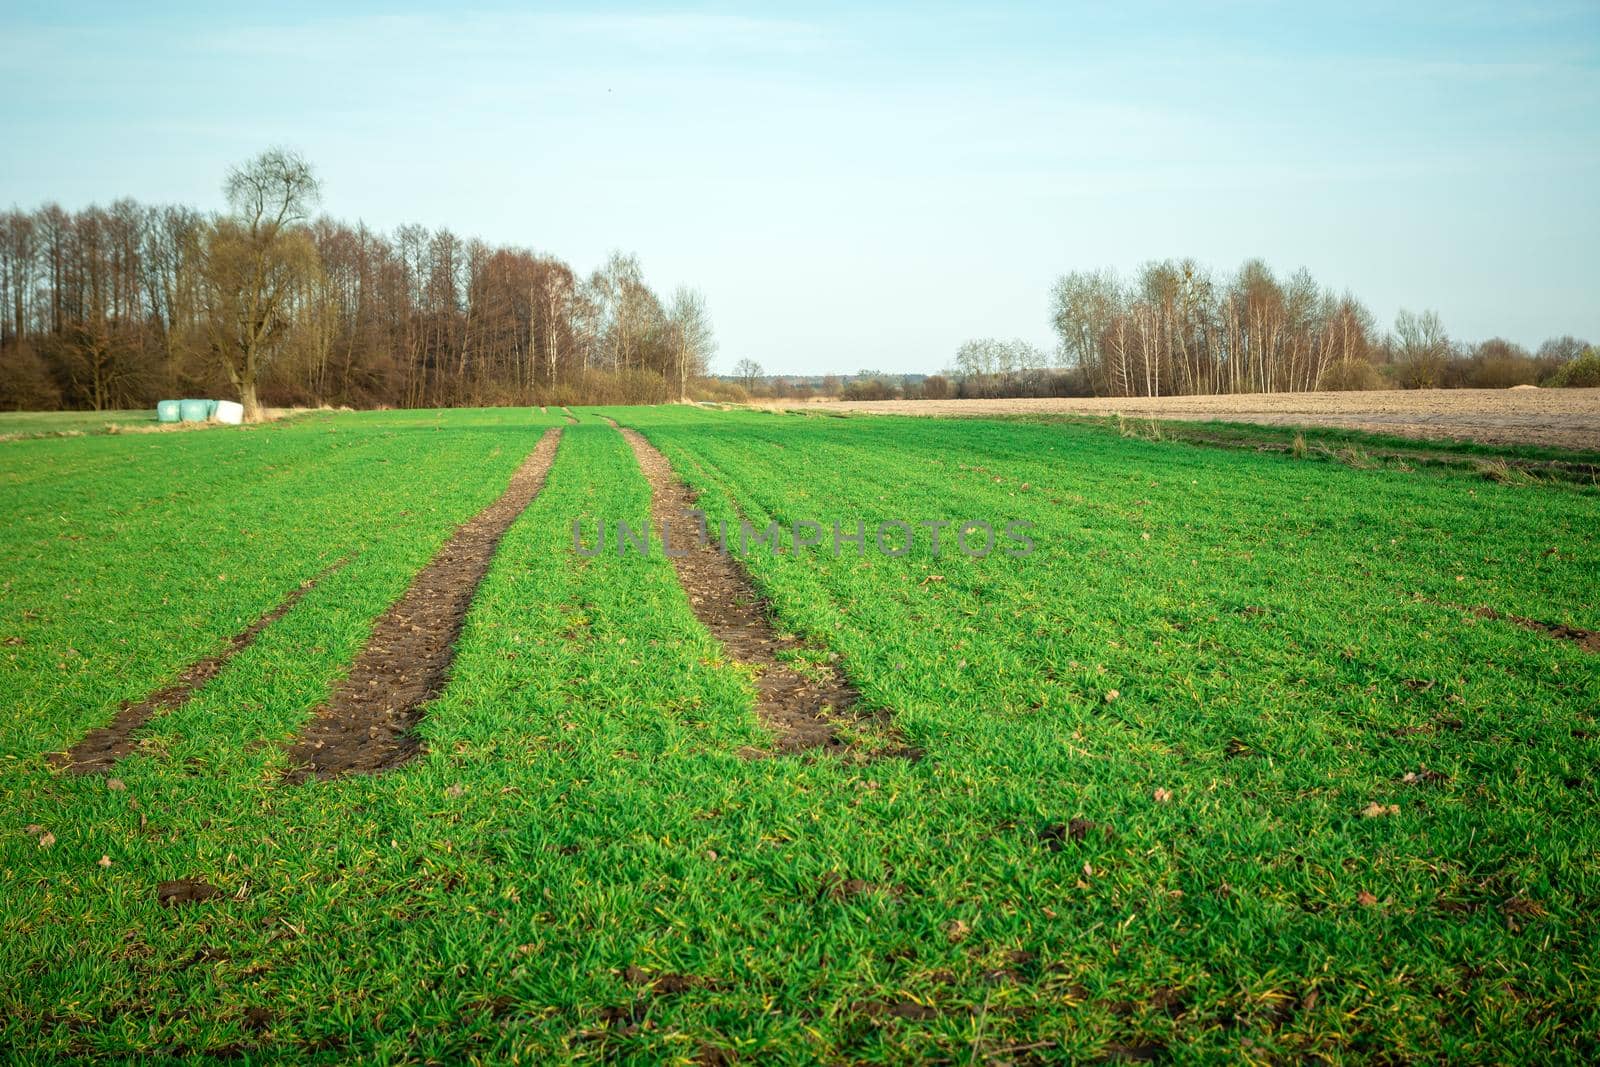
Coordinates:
[693,342]
[748,371]
[256,262]
[1424,348]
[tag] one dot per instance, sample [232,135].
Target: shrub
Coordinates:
[25,383]
[869,389]
[1349,375]
[1581,373]
[718,390]
[1425,371]
[1501,372]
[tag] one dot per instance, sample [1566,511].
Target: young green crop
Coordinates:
[1270,645]
[583,867]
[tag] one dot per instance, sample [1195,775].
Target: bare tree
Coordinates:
[620,288]
[693,342]
[748,371]
[1424,348]
[256,261]
[1083,306]
[17,267]
[1559,350]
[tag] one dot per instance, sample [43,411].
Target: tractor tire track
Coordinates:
[102,748]
[368,724]
[802,713]
[1588,640]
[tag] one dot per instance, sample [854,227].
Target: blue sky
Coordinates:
[867,185]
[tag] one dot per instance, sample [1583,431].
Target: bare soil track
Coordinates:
[101,749]
[1588,640]
[367,724]
[803,713]
[1557,418]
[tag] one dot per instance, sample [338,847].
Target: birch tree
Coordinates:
[692,340]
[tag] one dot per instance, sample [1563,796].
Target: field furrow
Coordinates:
[100,749]
[368,723]
[802,711]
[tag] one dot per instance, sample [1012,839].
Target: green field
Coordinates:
[1228,768]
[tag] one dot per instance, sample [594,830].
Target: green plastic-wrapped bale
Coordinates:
[168,411]
[193,411]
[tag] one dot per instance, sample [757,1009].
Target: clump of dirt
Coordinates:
[712,1056]
[367,724]
[1423,729]
[1055,836]
[909,753]
[803,713]
[1134,1052]
[185,891]
[664,985]
[837,888]
[897,1009]
[623,1019]
[101,749]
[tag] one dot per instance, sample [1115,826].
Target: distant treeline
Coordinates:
[1176,329]
[120,306]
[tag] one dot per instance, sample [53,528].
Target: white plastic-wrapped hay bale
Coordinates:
[230,412]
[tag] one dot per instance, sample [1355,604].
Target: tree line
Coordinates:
[1175,329]
[120,306]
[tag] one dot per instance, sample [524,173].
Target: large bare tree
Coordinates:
[256,261]
[1424,348]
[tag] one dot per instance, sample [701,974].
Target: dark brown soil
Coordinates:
[367,724]
[1588,640]
[1056,836]
[844,888]
[802,712]
[259,1018]
[664,984]
[1136,1052]
[910,1009]
[101,749]
[185,891]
